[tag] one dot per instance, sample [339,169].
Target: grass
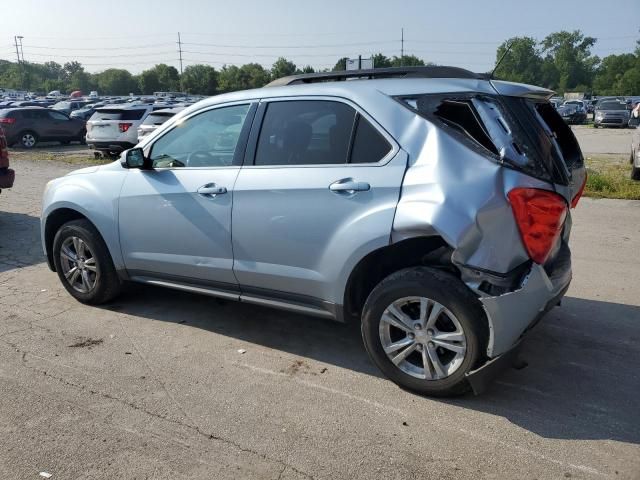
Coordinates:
[79,157]
[609,177]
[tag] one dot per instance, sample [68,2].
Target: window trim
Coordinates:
[252,147]
[241,146]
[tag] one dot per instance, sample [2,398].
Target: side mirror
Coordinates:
[133,158]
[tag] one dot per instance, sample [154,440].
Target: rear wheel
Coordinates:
[425,330]
[635,173]
[83,263]
[28,139]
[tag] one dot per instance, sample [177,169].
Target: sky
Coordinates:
[136,34]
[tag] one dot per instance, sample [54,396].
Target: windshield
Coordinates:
[612,106]
[62,105]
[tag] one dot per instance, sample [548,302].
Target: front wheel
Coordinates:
[83,263]
[425,330]
[635,173]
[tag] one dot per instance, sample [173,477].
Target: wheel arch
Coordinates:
[58,217]
[380,263]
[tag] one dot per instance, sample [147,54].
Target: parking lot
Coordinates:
[164,384]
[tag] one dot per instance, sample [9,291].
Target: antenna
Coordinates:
[401,45]
[508,49]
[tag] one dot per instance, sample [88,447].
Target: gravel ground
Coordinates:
[603,140]
[154,385]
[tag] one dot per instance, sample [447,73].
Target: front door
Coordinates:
[175,218]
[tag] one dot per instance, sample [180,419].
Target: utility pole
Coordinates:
[20,37]
[401,46]
[180,52]
[15,39]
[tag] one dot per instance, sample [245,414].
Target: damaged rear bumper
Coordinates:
[511,314]
[480,378]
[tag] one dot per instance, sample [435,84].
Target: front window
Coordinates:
[208,139]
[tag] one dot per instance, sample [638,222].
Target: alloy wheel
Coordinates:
[78,264]
[422,338]
[28,140]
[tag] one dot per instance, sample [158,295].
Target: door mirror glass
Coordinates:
[134,158]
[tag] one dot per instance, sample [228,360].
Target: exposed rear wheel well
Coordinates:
[55,220]
[379,264]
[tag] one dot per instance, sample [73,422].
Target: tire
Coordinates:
[102,281]
[635,173]
[28,139]
[459,304]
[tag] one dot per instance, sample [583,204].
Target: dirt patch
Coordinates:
[86,342]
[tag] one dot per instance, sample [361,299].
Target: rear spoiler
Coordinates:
[511,89]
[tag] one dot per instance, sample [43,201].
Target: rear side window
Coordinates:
[118,114]
[369,146]
[305,132]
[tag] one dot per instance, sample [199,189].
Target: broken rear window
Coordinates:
[513,131]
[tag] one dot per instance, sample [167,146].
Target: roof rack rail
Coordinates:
[392,72]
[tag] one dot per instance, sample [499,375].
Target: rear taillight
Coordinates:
[124,126]
[7,121]
[576,197]
[540,215]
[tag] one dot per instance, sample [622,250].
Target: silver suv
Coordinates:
[430,204]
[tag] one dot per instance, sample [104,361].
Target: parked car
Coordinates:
[440,221]
[69,106]
[7,175]
[84,113]
[611,113]
[635,149]
[114,128]
[30,125]
[155,119]
[572,114]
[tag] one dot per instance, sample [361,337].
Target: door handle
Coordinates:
[348,185]
[211,189]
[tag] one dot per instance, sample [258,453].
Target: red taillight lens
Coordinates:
[540,215]
[7,121]
[124,126]
[577,196]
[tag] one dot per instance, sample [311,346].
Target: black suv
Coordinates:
[27,126]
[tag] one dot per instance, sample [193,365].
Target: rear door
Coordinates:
[320,183]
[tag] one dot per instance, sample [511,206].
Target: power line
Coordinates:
[127,47]
[338,45]
[101,56]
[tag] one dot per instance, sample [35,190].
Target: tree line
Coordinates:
[562,61]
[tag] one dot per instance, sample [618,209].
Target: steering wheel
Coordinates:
[200,158]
